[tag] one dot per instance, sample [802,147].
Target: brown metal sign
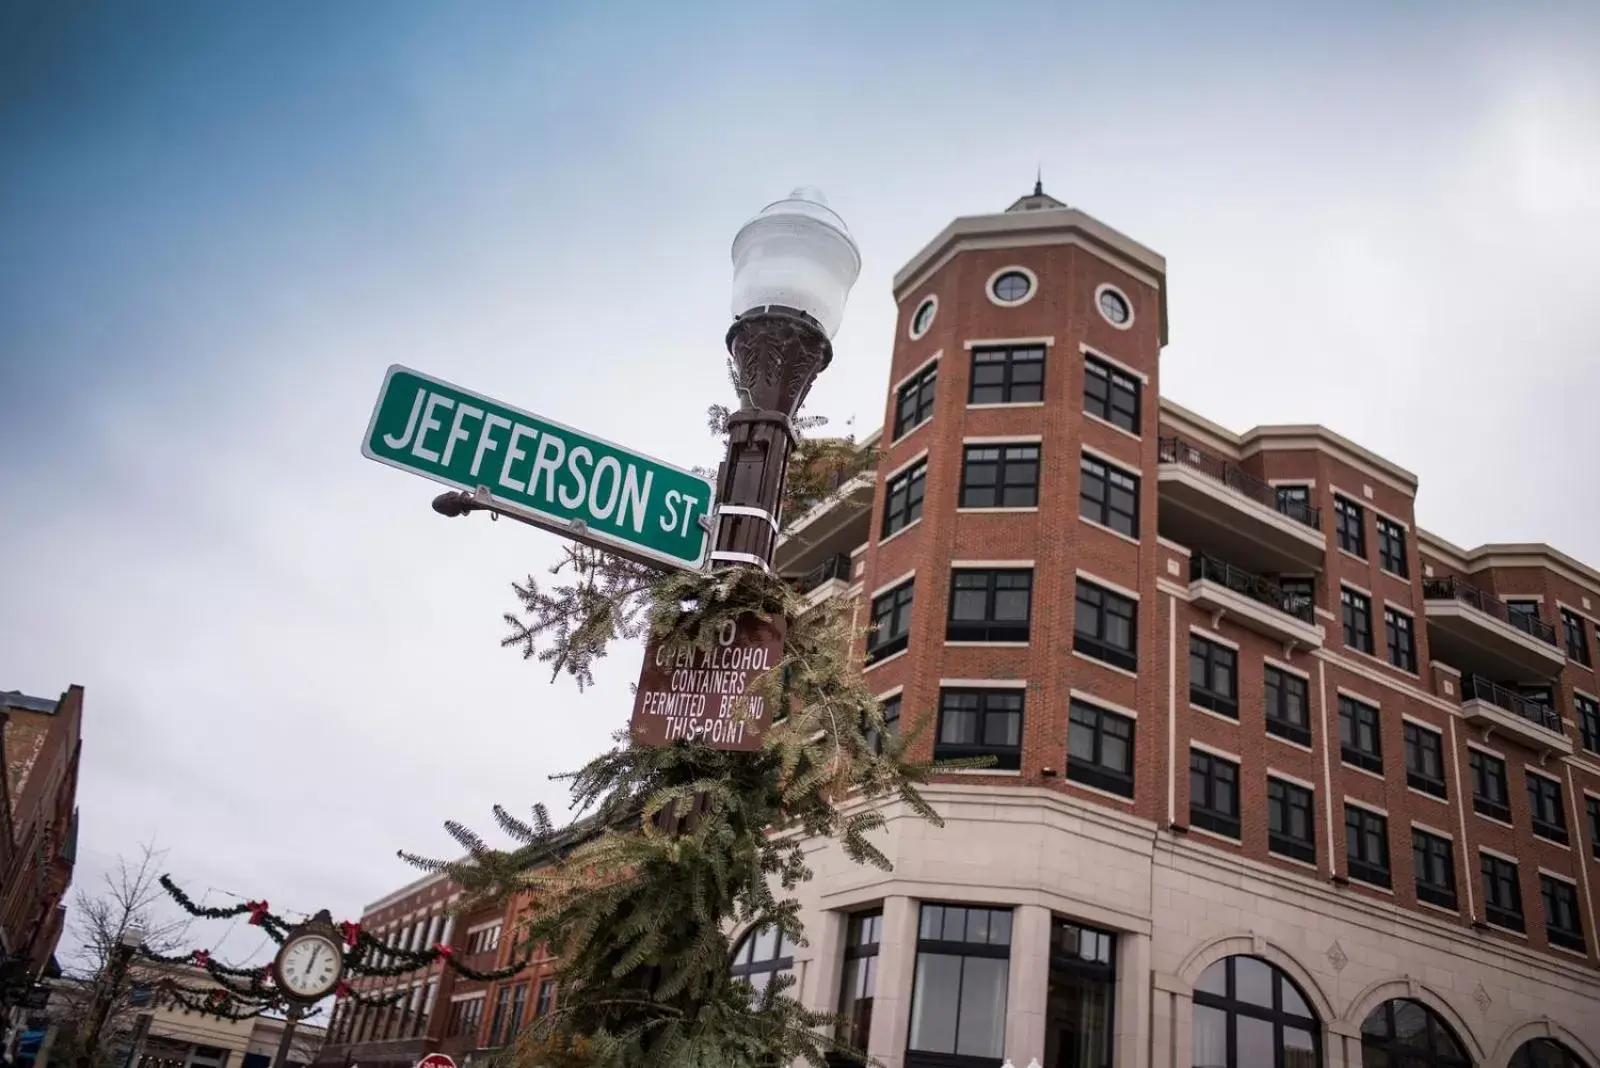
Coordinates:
[704,695]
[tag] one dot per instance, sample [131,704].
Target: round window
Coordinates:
[1011,286]
[923,319]
[1114,306]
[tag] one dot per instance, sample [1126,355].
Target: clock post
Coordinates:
[308,968]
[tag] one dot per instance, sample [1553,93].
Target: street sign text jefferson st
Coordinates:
[539,470]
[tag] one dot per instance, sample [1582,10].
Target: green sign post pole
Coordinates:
[538,470]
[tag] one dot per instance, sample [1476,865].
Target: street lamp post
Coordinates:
[116,970]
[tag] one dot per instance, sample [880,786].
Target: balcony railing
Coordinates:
[1453,589]
[836,566]
[1258,589]
[1474,688]
[1177,451]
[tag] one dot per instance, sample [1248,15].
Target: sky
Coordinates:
[219,224]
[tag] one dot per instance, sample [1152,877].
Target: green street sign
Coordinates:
[576,485]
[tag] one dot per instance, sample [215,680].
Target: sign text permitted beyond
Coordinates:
[540,470]
[704,695]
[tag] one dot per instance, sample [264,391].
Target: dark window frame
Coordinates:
[1565,935]
[1280,1018]
[891,722]
[1293,499]
[1547,810]
[1361,826]
[1391,546]
[1097,645]
[1356,619]
[544,1005]
[1498,875]
[863,939]
[1400,635]
[1488,770]
[1421,743]
[1575,635]
[746,965]
[1118,386]
[1022,276]
[1587,712]
[992,583]
[893,605]
[1213,659]
[1363,718]
[1278,722]
[1284,799]
[1350,526]
[1008,358]
[1591,806]
[1116,486]
[1433,864]
[963,949]
[1219,778]
[904,495]
[1009,459]
[919,392]
[1403,1050]
[1006,756]
[1092,769]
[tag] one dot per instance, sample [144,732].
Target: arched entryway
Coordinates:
[1545,1053]
[1402,1033]
[1250,1014]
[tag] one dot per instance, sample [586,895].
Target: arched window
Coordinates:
[1248,1014]
[762,956]
[1407,1034]
[1545,1053]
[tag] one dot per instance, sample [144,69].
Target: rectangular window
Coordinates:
[1523,614]
[989,606]
[545,1003]
[1577,641]
[1359,741]
[485,940]
[1544,799]
[982,722]
[1402,645]
[859,985]
[958,994]
[1561,923]
[1502,893]
[1213,679]
[1000,476]
[891,723]
[1109,496]
[519,1006]
[1489,794]
[1588,721]
[1391,546]
[913,405]
[497,1021]
[1100,748]
[1291,828]
[902,498]
[1288,711]
[891,622]
[1349,523]
[1011,375]
[1213,793]
[1357,619]
[1294,502]
[1079,997]
[1299,596]
[1592,805]
[1366,845]
[1110,394]
[1424,760]
[1434,861]
[465,1016]
[1105,626]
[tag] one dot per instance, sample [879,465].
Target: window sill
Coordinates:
[1215,834]
[1214,715]
[1291,743]
[1537,837]
[1396,577]
[887,538]
[1075,784]
[1342,551]
[1382,662]
[1506,930]
[1007,404]
[1431,797]
[910,431]
[993,510]
[1581,954]
[1431,907]
[1010,773]
[948,644]
[1108,666]
[1494,820]
[1296,861]
[1086,521]
[1356,880]
[1356,768]
[1113,426]
[886,660]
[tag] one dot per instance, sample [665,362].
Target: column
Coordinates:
[1170,1019]
[824,957]
[1133,1002]
[1028,992]
[897,963]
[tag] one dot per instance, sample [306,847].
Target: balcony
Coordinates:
[1253,602]
[1475,631]
[828,579]
[1208,501]
[837,525]
[1488,705]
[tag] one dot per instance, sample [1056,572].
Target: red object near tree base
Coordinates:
[436,1060]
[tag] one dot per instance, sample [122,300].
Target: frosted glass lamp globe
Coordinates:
[796,253]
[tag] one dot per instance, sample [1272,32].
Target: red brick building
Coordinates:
[1279,778]
[40,741]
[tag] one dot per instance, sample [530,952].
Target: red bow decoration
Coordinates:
[443,950]
[216,997]
[201,957]
[352,933]
[266,974]
[258,911]
[341,991]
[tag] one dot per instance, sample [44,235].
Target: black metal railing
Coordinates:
[1453,589]
[836,566]
[1175,450]
[1259,589]
[1474,688]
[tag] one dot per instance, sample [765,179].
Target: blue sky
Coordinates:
[220,223]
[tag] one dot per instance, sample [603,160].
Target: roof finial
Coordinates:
[1038,182]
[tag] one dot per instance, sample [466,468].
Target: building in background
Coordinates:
[40,741]
[1278,779]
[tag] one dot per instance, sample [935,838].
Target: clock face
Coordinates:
[1113,307]
[309,966]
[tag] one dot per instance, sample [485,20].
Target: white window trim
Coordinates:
[983,684]
[1075,694]
[1274,773]
[1559,877]
[1107,458]
[1424,724]
[1005,439]
[886,587]
[1367,806]
[1096,580]
[1216,752]
[905,466]
[1008,342]
[1033,286]
[911,324]
[1428,828]
[1507,857]
[1303,676]
[1370,702]
[1212,636]
[1353,588]
[1089,350]
[893,691]
[913,373]
[1105,287]
[972,565]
